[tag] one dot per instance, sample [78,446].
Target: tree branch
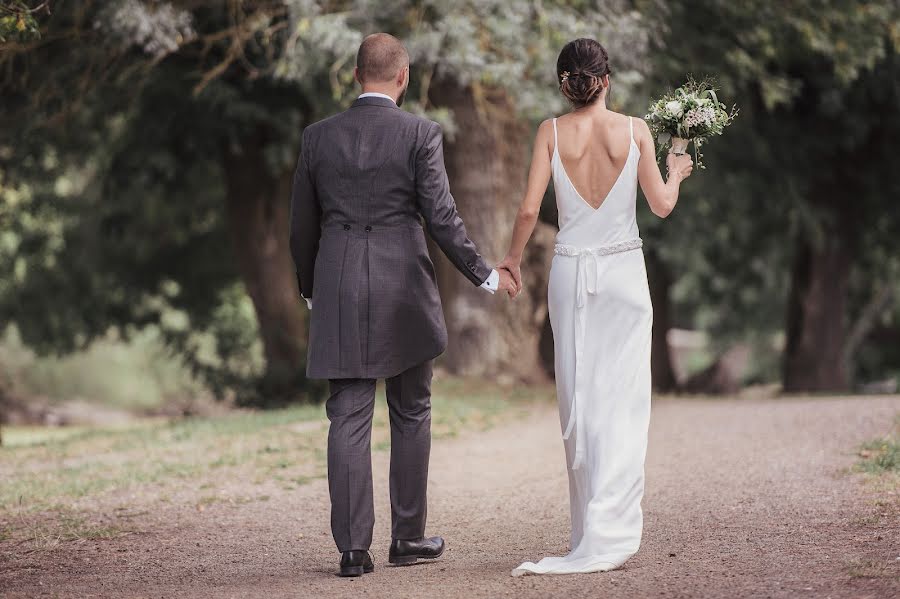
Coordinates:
[866,322]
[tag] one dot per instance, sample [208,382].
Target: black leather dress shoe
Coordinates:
[406,553]
[356,563]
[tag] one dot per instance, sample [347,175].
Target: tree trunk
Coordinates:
[816,318]
[660,354]
[487,163]
[258,208]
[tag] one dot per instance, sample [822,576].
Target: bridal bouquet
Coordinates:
[690,113]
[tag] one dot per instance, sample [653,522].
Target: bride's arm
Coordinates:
[661,195]
[526,218]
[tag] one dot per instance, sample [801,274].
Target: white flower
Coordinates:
[674,108]
[697,116]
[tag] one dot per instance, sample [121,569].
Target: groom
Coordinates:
[366,180]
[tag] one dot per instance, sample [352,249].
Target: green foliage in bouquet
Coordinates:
[693,112]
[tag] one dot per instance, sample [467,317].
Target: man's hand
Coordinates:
[507,283]
[512,265]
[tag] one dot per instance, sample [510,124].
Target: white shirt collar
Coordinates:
[375,95]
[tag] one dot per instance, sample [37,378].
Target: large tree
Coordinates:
[145,169]
[148,147]
[795,207]
[486,70]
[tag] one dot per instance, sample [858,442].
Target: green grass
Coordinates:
[881,456]
[133,376]
[44,534]
[872,569]
[55,480]
[42,471]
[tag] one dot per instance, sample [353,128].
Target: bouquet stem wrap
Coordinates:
[679,146]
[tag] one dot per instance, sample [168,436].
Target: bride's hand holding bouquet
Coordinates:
[692,112]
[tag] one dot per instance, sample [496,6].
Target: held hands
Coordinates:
[507,283]
[510,276]
[680,165]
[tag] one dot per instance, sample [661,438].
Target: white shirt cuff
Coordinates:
[492,282]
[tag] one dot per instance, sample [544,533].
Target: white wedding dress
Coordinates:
[601,316]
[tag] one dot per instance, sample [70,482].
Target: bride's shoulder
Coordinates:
[544,137]
[641,135]
[625,117]
[545,129]
[638,125]
[635,119]
[638,121]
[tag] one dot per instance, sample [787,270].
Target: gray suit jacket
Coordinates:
[365,181]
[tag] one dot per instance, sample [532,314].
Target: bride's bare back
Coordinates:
[593,151]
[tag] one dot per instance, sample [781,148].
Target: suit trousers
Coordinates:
[350,408]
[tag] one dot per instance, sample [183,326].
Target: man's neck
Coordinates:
[376,90]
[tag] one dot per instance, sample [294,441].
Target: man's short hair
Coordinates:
[380,58]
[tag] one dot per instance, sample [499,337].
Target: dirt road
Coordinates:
[745,498]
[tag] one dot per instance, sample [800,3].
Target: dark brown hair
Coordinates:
[580,69]
[380,57]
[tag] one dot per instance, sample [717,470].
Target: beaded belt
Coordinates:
[587,276]
[623,246]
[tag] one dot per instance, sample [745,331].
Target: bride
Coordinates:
[599,303]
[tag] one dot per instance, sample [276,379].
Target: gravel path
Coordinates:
[745,498]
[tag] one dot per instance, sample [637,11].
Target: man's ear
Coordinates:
[356,75]
[402,76]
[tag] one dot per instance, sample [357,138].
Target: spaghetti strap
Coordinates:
[555,137]
[630,129]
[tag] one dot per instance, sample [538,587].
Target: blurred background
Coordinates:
[147,149]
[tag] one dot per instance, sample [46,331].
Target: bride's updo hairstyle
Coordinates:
[580,69]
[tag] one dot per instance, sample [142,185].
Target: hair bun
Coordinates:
[581,66]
